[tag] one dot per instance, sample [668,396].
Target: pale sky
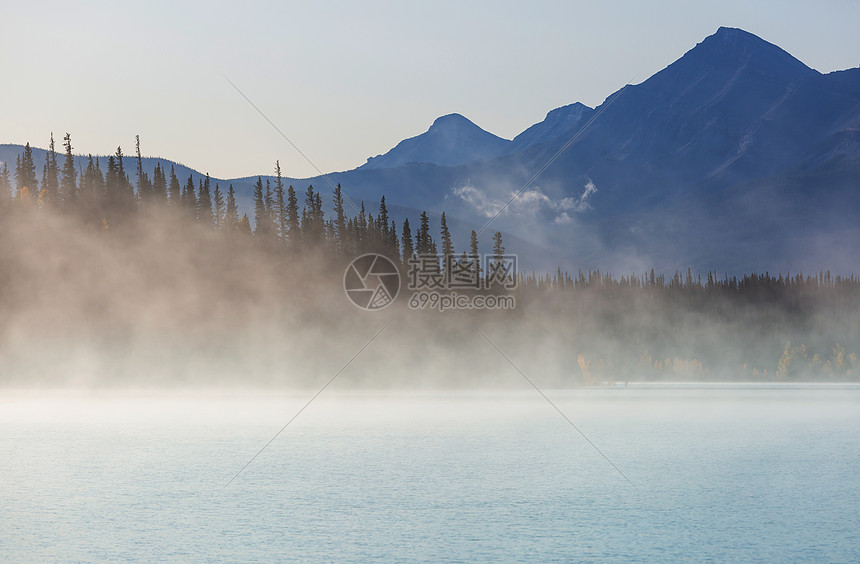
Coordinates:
[348,80]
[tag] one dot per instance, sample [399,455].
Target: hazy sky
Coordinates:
[348,80]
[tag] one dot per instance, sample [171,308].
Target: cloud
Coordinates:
[529,202]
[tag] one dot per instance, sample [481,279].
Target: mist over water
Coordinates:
[157,301]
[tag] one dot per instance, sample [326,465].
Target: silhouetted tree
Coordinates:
[174,192]
[447,246]
[474,256]
[293,217]
[204,204]
[68,185]
[280,205]
[340,233]
[407,245]
[231,213]
[218,207]
[50,177]
[25,171]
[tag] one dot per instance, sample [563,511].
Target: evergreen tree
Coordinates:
[425,243]
[313,221]
[124,189]
[319,216]
[159,184]
[204,204]
[231,213]
[447,246]
[119,194]
[280,205]
[393,242]
[382,220]
[496,272]
[5,187]
[112,198]
[68,185]
[474,257]
[218,207]
[92,190]
[144,186]
[293,217]
[408,247]
[260,209]
[174,191]
[340,234]
[50,176]
[25,171]
[244,225]
[189,198]
[270,210]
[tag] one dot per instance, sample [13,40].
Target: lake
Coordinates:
[738,473]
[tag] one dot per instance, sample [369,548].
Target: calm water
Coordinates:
[722,474]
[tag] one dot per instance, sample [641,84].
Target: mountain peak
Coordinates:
[450,120]
[452,140]
[560,122]
[735,33]
[733,47]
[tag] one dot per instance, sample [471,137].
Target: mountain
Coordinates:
[451,140]
[736,157]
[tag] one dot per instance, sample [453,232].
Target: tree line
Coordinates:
[107,196]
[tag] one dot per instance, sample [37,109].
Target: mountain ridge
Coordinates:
[736,137]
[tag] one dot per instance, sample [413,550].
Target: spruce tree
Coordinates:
[231,213]
[496,273]
[340,234]
[447,246]
[382,219]
[474,257]
[50,176]
[425,240]
[270,210]
[244,225]
[280,205]
[68,185]
[218,207]
[312,223]
[293,217]
[189,198]
[112,197]
[159,184]
[174,192]
[260,209]
[204,204]
[5,187]
[92,187]
[407,245]
[124,189]
[393,242]
[25,172]
[144,186]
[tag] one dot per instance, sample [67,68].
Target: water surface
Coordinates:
[727,473]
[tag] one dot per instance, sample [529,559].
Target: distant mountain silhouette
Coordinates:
[736,157]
